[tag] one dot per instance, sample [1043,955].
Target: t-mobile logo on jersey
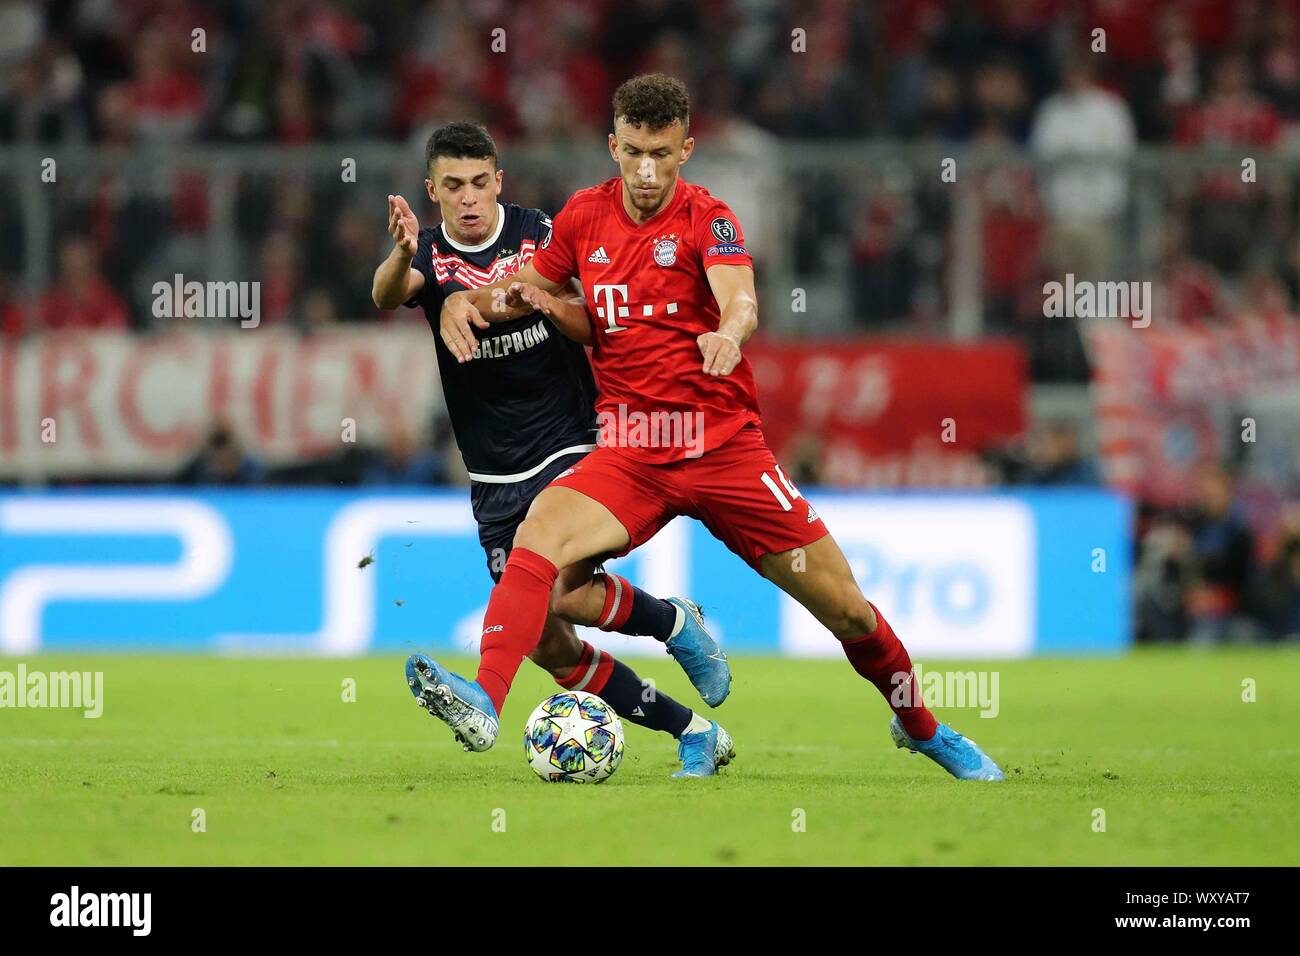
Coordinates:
[611,311]
[614,299]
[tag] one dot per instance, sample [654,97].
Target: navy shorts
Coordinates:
[500,508]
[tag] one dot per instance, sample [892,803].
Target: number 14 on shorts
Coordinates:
[781,496]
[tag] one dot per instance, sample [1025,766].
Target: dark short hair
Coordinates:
[460,140]
[655,100]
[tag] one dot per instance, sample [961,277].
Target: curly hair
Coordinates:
[655,100]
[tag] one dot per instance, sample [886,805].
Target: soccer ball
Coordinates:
[574,737]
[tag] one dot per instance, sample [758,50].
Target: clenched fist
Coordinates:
[721,352]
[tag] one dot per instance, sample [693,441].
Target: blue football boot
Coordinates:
[694,648]
[704,751]
[959,755]
[460,704]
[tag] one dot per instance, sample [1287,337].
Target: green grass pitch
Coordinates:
[287,772]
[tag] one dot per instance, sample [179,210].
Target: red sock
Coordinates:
[512,626]
[591,673]
[880,657]
[618,602]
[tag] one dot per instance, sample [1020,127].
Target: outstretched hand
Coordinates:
[458,314]
[520,294]
[402,225]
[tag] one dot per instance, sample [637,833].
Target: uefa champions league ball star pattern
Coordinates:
[574,737]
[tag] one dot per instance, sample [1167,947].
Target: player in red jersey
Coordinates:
[670,301]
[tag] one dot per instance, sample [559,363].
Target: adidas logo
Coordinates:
[812,515]
[638,712]
[600,255]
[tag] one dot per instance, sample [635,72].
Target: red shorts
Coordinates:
[737,490]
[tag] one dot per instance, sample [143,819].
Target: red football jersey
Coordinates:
[648,298]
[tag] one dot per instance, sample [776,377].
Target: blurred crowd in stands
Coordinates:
[404,459]
[1203,574]
[1000,74]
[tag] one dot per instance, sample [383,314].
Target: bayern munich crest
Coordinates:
[666,250]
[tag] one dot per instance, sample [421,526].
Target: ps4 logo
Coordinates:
[204,564]
[242,573]
[279,571]
[25,593]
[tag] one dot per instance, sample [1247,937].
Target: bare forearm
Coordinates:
[389,289]
[739,319]
[733,290]
[496,302]
[491,301]
[571,319]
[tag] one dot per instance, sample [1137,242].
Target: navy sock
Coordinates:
[641,703]
[629,610]
[651,615]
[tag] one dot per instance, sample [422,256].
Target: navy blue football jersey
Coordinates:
[528,395]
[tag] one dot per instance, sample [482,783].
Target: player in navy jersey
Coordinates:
[522,410]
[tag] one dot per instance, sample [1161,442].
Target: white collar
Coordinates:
[486,243]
